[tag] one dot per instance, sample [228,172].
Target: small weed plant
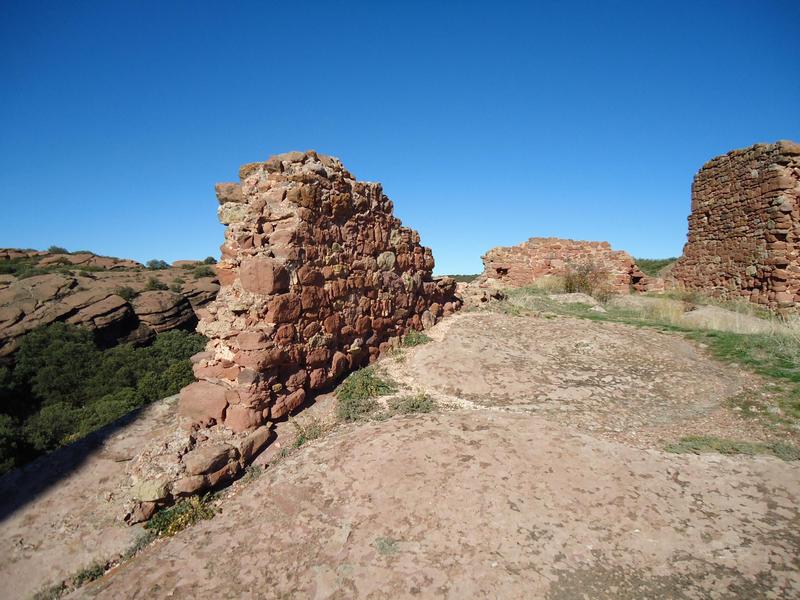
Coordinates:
[415,338]
[309,429]
[419,403]
[185,513]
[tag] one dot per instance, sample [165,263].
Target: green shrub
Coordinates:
[155,284]
[185,513]
[55,362]
[210,260]
[126,293]
[52,426]
[356,394]
[156,265]
[9,442]
[203,271]
[586,278]
[464,278]
[415,338]
[31,272]
[57,250]
[88,574]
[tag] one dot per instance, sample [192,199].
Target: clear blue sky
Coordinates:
[487,122]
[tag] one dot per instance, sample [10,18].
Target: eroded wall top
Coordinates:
[524,264]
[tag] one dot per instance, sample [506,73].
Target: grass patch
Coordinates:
[774,355]
[386,546]
[357,394]
[52,592]
[419,403]
[251,473]
[415,338]
[185,513]
[701,444]
[654,266]
[139,544]
[88,574]
[309,429]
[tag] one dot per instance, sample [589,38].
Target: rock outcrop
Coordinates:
[318,278]
[111,297]
[524,264]
[744,229]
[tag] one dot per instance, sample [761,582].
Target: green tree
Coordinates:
[10,441]
[54,362]
[51,426]
[157,265]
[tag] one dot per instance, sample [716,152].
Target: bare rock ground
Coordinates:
[484,503]
[543,476]
[62,513]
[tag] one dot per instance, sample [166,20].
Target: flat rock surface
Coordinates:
[637,385]
[543,476]
[490,504]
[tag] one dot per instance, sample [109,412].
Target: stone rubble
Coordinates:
[524,264]
[744,228]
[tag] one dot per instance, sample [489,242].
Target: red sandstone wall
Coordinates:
[318,277]
[744,229]
[522,265]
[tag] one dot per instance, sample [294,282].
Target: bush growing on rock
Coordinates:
[126,293]
[57,250]
[587,278]
[204,271]
[155,284]
[210,260]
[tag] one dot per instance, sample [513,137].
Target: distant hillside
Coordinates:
[118,300]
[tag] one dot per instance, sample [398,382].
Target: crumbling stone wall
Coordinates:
[318,278]
[744,229]
[522,265]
